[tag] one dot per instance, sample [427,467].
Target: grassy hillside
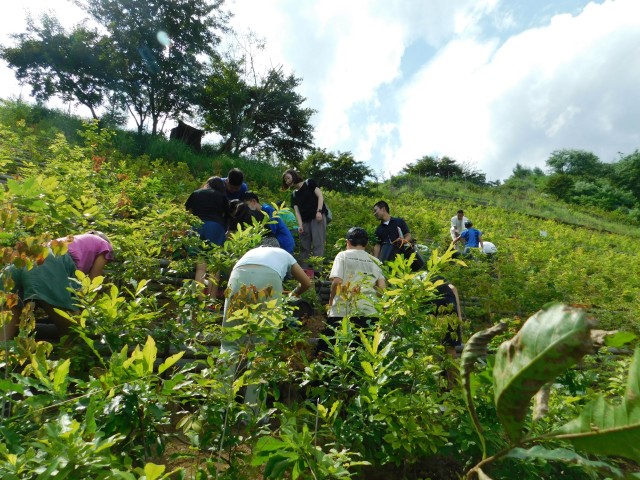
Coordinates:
[384,403]
[548,250]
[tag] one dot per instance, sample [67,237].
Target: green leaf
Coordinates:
[368,369]
[565,456]
[619,339]
[475,348]
[153,471]
[378,336]
[169,362]
[605,429]
[334,408]
[547,344]
[149,353]
[60,377]
[7,386]
[90,416]
[278,464]
[264,449]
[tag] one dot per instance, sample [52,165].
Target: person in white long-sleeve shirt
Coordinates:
[457,224]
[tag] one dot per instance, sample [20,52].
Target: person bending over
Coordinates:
[263,269]
[311,213]
[472,238]
[276,225]
[48,284]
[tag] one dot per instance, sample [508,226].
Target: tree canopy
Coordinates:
[336,171]
[55,62]
[146,57]
[445,167]
[627,173]
[576,162]
[263,115]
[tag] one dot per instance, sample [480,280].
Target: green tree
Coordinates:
[427,166]
[445,167]
[578,163]
[560,185]
[601,194]
[256,114]
[148,55]
[520,171]
[525,178]
[337,171]
[627,173]
[59,63]
[157,64]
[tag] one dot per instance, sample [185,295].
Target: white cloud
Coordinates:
[564,85]
[376,135]
[345,51]
[443,110]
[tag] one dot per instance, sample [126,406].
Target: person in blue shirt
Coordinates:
[277,225]
[234,184]
[471,236]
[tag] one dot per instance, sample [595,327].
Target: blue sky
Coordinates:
[488,82]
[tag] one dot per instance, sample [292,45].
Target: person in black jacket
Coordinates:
[209,203]
[392,232]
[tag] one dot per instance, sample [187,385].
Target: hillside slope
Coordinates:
[142,377]
[547,251]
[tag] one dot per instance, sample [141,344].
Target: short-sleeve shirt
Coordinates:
[306,201]
[289,218]
[236,195]
[208,205]
[280,230]
[86,247]
[358,269]
[471,237]
[272,257]
[388,232]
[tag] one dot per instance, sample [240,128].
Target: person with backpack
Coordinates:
[311,213]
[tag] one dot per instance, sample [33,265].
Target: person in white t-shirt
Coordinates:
[258,275]
[356,281]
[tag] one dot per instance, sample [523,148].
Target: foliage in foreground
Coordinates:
[551,341]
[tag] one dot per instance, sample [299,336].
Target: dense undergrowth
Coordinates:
[140,390]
